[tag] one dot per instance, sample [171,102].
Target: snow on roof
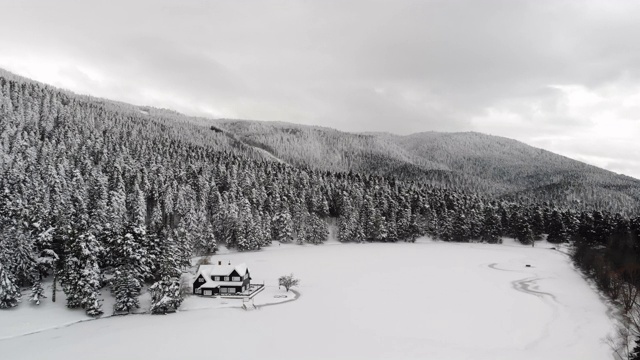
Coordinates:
[208,271]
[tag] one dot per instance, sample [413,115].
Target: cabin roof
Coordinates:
[222,270]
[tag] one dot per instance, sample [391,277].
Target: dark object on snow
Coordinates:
[528,265]
[553,248]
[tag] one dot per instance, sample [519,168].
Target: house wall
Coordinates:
[197,284]
[245,283]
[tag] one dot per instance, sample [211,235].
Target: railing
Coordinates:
[256,288]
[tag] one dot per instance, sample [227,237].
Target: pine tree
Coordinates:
[165,296]
[379,230]
[117,210]
[9,292]
[404,222]
[23,263]
[347,222]
[521,229]
[126,287]
[282,227]
[460,230]
[301,229]
[317,231]
[537,223]
[37,293]
[81,274]
[557,230]
[491,227]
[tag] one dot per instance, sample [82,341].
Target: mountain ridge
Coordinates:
[489,165]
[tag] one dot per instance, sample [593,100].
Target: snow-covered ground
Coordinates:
[429,300]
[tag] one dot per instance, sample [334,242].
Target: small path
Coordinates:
[494,266]
[296,297]
[56,327]
[529,285]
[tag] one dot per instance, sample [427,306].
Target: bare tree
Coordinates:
[629,293]
[288,281]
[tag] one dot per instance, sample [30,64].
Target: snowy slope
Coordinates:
[427,300]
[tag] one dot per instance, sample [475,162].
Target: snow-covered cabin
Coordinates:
[221,279]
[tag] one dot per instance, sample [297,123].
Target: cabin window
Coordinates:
[226,278]
[232,290]
[223,290]
[198,291]
[201,280]
[217,278]
[236,278]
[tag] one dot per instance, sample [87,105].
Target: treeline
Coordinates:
[102,196]
[477,163]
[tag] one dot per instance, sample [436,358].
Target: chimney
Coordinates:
[219,262]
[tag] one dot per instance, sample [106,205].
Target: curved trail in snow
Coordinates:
[296,297]
[494,266]
[529,285]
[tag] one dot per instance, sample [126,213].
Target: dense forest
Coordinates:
[478,163]
[103,195]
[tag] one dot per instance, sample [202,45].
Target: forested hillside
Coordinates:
[103,195]
[484,164]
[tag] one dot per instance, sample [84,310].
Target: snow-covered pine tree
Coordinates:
[130,254]
[317,231]
[368,217]
[247,233]
[165,296]
[117,209]
[81,275]
[9,292]
[98,204]
[347,222]
[126,287]
[22,260]
[208,243]
[556,228]
[403,221]
[282,229]
[491,228]
[460,228]
[521,228]
[392,226]
[379,230]
[536,221]
[266,230]
[37,293]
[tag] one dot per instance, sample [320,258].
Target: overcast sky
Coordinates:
[560,75]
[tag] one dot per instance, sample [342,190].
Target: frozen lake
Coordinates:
[429,300]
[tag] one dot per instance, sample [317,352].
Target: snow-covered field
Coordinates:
[429,300]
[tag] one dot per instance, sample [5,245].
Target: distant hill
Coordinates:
[489,165]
